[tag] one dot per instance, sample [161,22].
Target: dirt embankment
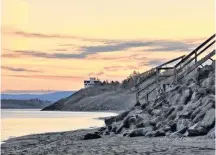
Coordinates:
[98,98]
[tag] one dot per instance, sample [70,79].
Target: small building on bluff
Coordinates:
[91,82]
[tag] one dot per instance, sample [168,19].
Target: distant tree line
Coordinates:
[126,83]
[106,82]
[131,80]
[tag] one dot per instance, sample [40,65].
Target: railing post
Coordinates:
[181,64]
[147,97]
[157,75]
[211,59]
[164,87]
[175,75]
[195,57]
[137,95]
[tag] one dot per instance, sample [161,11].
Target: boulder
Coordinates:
[97,132]
[157,105]
[111,134]
[199,116]
[109,127]
[209,119]
[202,113]
[211,134]
[183,123]
[143,106]
[195,96]
[207,82]
[150,134]
[159,133]
[194,87]
[140,132]
[197,130]
[170,110]
[139,118]
[180,107]
[182,130]
[175,135]
[186,96]
[166,128]
[159,125]
[175,88]
[102,129]
[136,133]
[196,111]
[91,136]
[131,120]
[196,104]
[168,133]
[121,116]
[119,128]
[143,124]
[140,125]
[107,133]
[128,121]
[186,114]
[115,126]
[109,120]
[150,111]
[172,125]
[155,120]
[186,134]
[187,111]
[210,83]
[174,100]
[156,133]
[210,99]
[203,73]
[190,82]
[137,104]
[156,112]
[125,134]
[172,116]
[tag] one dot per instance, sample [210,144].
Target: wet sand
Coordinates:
[71,143]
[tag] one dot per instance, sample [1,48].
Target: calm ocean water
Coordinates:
[24,122]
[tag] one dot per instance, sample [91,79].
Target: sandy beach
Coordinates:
[71,143]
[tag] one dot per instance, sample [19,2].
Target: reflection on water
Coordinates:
[23,122]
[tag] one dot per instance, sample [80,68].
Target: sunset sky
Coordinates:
[56,44]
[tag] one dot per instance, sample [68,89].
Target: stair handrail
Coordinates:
[184,65]
[184,59]
[194,51]
[153,70]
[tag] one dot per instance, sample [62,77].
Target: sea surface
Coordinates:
[19,122]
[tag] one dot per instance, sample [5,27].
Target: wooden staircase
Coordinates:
[161,75]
